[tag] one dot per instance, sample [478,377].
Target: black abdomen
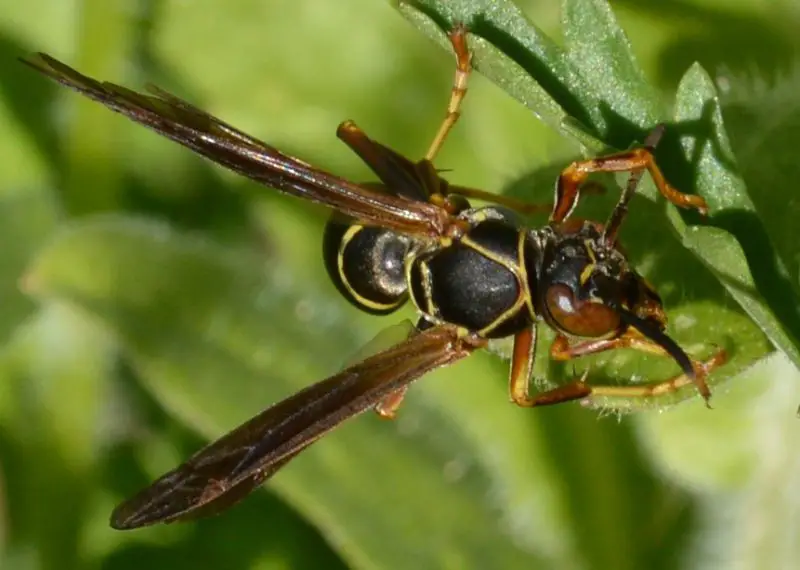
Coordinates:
[367,264]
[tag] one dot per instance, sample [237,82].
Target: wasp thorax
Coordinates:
[479,281]
[367,264]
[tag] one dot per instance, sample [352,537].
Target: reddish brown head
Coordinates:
[588,289]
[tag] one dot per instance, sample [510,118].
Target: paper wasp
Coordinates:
[473,274]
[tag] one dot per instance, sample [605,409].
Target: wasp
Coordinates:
[474,274]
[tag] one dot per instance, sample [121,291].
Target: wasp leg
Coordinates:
[521,371]
[703,369]
[522,365]
[561,349]
[458,38]
[581,390]
[387,408]
[390,336]
[575,390]
[567,189]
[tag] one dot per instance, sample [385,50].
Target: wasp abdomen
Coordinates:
[366,264]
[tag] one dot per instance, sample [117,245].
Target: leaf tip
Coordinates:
[697,75]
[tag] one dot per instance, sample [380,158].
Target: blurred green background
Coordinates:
[165,301]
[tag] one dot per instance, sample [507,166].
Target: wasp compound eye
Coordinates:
[579,317]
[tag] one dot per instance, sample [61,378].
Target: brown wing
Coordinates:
[228,469]
[208,136]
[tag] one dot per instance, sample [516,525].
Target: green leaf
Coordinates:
[91,142]
[743,452]
[53,385]
[514,53]
[754,276]
[27,216]
[26,219]
[762,121]
[598,47]
[595,82]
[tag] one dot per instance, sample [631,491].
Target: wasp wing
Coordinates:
[400,176]
[216,140]
[228,469]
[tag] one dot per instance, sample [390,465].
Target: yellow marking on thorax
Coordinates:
[589,269]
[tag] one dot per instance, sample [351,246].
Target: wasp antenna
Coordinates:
[621,209]
[669,346]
